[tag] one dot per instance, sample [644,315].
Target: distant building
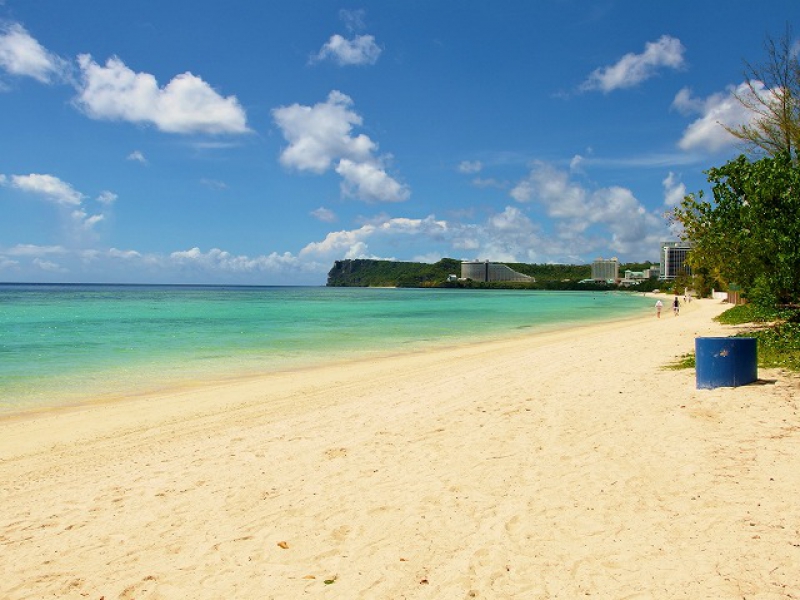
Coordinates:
[488,271]
[649,273]
[605,269]
[673,260]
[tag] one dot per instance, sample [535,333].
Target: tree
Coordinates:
[772,93]
[750,235]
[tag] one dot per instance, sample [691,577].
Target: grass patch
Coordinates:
[778,342]
[778,346]
[750,313]
[779,339]
[685,361]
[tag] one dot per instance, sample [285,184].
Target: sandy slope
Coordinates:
[553,466]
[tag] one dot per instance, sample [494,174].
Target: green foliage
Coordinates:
[779,346]
[545,273]
[385,273]
[748,313]
[775,128]
[750,235]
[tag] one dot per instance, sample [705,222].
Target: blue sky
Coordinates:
[257,142]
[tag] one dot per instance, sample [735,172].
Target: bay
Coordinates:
[68,344]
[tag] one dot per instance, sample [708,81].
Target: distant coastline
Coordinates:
[445,274]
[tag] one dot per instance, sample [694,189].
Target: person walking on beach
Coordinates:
[676,306]
[659,306]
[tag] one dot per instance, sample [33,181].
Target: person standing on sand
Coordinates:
[676,306]
[659,306]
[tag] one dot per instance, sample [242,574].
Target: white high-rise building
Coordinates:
[673,260]
[605,269]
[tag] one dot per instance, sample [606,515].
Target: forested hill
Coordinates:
[386,273]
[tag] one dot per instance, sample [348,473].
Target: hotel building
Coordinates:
[605,269]
[487,271]
[673,260]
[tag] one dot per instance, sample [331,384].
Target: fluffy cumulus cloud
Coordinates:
[75,217]
[585,218]
[674,190]
[321,138]
[508,235]
[723,108]
[22,55]
[186,104]
[632,69]
[361,50]
[216,260]
[368,181]
[48,187]
[354,243]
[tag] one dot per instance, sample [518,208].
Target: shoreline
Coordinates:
[243,384]
[179,382]
[556,464]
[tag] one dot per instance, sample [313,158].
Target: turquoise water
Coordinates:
[66,344]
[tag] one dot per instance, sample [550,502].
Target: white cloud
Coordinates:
[320,138]
[361,50]
[353,243]
[34,250]
[124,254]
[707,132]
[137,156]
[107,198]
[21,54]
[674,190]
[321,134]
[48,186]
[576,164]
[324,214]
[470,167]
[83,221]
[191,266]
[552,188]
[221,261]
[618,219]
[7,263]
[632,69]
[187,104]
[48,265]
[367,181]
[76,220]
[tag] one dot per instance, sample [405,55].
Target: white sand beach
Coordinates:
[556,465]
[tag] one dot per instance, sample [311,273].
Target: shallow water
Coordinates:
[63,344]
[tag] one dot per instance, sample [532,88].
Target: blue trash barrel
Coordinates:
[725,361]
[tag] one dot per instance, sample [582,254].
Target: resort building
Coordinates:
[605,269]
[648,273]
[488,271]
[673,260]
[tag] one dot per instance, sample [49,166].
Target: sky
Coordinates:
[209,142]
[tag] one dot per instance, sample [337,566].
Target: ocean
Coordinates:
[63,345]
